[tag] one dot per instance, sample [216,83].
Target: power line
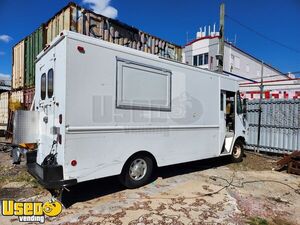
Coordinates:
[267,85]
[263,36]
[279,74]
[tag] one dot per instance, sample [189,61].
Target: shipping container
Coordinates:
[16,100]
[4,108]
[66,19]
[77,19]
[34,44]
[80,20]
[18,66]
[28,98]
[111,30]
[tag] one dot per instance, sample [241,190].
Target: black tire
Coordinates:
[237,152]
[127,177]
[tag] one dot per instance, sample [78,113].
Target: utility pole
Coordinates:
[259,107]
[221,38]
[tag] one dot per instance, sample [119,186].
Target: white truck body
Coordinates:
[110,102]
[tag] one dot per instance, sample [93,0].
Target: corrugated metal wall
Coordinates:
[4,107]
[28,97]
[280,125]
[34,44]
[77,19]
[18,66]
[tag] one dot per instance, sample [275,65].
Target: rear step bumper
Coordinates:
[51,177]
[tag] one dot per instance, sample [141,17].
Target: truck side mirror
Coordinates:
[244,106]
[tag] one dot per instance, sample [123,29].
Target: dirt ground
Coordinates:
[210,191]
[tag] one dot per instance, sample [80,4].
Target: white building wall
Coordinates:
[237,62]
[240,63]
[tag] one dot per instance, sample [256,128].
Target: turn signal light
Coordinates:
[80,49]
[73,162]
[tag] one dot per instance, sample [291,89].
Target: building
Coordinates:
[5,83]
[203,52]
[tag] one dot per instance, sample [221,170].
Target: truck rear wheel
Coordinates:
[237,152]
[137,171]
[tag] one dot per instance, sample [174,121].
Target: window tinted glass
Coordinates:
[222,101]
[50,83]
[43,86]
[239,103]
[205,58]
[200,60]
[195,63]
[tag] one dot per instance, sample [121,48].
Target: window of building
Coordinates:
[205,58]
[235,61]
[195,61]
[247,68]
[200,60]
[232,59]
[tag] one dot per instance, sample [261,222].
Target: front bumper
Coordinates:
[51,177]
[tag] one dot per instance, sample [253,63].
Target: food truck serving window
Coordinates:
[142,86]
[43,86]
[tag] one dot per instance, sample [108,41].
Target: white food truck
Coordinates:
[102,109]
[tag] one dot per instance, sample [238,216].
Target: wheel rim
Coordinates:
[138,169]
[237,151]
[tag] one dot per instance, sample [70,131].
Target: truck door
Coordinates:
[46,107]
[227,120]
[222,118]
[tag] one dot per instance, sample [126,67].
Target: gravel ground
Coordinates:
[204,192]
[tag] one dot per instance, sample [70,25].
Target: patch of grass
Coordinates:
[23,176]
[257,221]
[253,162]
[280,221]
[17,174]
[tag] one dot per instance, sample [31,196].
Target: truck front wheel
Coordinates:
[237,151]
[137,171]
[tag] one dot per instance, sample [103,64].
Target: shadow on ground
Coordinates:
[97,188]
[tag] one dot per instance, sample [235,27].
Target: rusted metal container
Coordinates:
[77,19]
[28,97]
[111,30]
[16,100]
[66,19]
[18,66]
[4,108]
[34,43]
